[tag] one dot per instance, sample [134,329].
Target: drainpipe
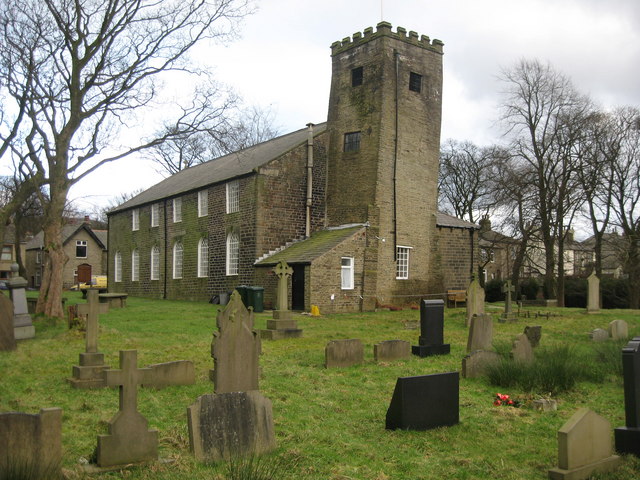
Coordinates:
[307,231]
[395,159]
[164,248]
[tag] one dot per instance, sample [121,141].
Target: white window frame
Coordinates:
[203,258]
[38,278]
[178,256]
[117,267]
[177,210]
[135,265]
[347,273]
[82,243]
[38,257]
[233,254]
[7,253]
[155,215]
[135,219]
[203,203]
[155,264]
[402,262]
[233,196]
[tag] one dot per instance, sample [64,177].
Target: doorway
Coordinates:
[297,287]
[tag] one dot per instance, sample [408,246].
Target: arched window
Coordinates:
[155,263]
[117,267]
[135,266]
[203,258]
[233,257]
[177,260]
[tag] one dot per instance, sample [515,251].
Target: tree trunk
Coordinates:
[50,299]
[560,285]
[633,270]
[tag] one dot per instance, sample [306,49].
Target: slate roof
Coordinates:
[223,168]
[446,220]
[307,250]
[68,231]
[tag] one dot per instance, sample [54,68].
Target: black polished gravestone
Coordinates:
[424,402]
[628,437]
[431,330]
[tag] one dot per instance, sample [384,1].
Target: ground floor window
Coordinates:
[155,263]
[233,251]
[117,267]
[347,273]
[402,262]
[177,260]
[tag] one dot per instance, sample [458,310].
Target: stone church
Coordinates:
[350,204]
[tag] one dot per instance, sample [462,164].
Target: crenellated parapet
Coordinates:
[384,29]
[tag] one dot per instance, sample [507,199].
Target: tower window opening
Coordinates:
[415,82]
[352,142]
[356,77]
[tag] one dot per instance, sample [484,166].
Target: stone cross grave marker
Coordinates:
[628,437]
[89,374]
[584,447]
[282,325]
[235,349]
[475,299]
[593,295]
[22,325]
[129,440]
[431,340]
[7,335]
[508,289]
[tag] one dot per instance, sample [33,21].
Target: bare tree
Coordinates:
[83,69]
[466,177]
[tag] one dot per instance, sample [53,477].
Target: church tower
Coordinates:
[384,118]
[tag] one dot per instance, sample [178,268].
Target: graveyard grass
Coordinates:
[329,423]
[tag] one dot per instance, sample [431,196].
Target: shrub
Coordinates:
[493,291]
[615,292]
[529,288]
[575,292]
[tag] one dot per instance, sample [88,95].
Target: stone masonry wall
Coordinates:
[454,249]
[94,257]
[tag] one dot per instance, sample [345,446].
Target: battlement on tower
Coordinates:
[383,29]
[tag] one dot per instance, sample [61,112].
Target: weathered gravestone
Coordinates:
[283,325]
[129,440]
[534,334]
[228,425]
[618,330]
[584,447]
[508,289]
[7,335]
[424,402]
[343,353]
[599,335]
[480,333]
[31,445]
[476,363]
[22,325]
[522,350]
[180,372]
[475,299]
[237,420]
[235,349]
[628,437]
[391,350]
[431,340]
[593,293]
[89,374]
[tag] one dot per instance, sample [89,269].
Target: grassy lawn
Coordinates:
[329,423]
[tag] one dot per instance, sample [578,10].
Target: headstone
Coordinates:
[431,340]
[475,364]
[545,405]
[599,335]
[389,350]
[480,333]
[181,372]
[424,402]
[475,299]
[89,374]
[508,289]
[534,334]
[22,325]
[31,445]
[584,447]
[628,437]
[283,325]
[343,353]
[593,293]
[129,440]
[522,350]
[227,425]
[7,335]
[235,349]
[618,330]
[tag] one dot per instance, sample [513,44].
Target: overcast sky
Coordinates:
[282,61]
